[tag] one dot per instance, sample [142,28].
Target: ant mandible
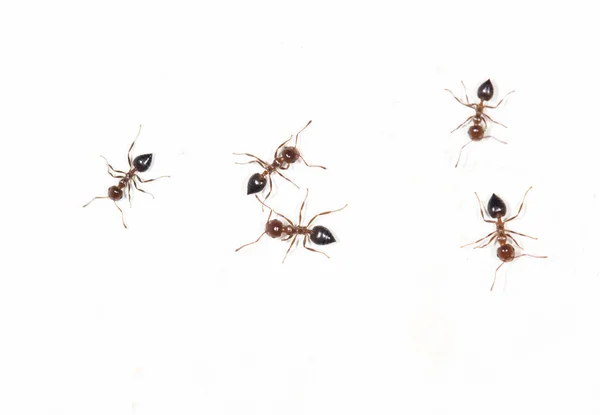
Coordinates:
[319,235]
[485,92]
[496,208]
[139,164]
[281,161]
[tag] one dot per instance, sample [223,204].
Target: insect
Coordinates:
[140,164]
[496,209]
[485,92]
[275,228]
[281,161]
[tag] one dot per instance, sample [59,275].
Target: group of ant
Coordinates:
[283,158]
[496,207]
[286,155]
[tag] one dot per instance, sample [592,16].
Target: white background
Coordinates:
[164,318]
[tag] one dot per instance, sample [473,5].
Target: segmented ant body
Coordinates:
[281,161]
[140,164]
[275,228]
[485,92]
[496,208]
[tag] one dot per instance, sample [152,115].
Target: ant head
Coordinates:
[290,154]
[320,235]
[274,228]
[114,193]
[485,92]
[506,253]
[256,183]
[476,132]
[143,162]
[496,207]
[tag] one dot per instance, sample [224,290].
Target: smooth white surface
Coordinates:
[165,318]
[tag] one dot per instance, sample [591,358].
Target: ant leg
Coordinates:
[324,213]
[481,210]
[466,95]
[131,148]
[520,207]
[466,121]
[514,240]
[253,161]
[251,243]
[279,173]
[109,168]
[479,240]
[311,165]
[273,211]
[489,242]
[492,120]
[142,190]
[122,214]
[532,256]
[314,250]
[149,180]
[496,274]
[497,139]
[97,197]
[270,189]
[460,101]
[302,208]
[281,145]
[298,133]
[129,193]
[262,162]
[521,234]
[290,247]
[499,102]
[460,153]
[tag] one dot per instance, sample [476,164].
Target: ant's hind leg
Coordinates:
[460,101]
[481,210]
[149,180]
[122,214]
[311,249]
[520,207]
[281,174]
[109,168]
[325,213]
[262,162]
[142,190]
[499,102]
[131,148]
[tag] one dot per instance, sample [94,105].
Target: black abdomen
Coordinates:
[320,235]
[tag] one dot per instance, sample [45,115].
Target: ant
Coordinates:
[485,92]
[319,235]
[139,164]
[496,209]
[281,161]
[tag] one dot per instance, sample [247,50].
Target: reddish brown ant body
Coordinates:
[485,92]
[281,161]
[496,208]
[140,164]
[319,235]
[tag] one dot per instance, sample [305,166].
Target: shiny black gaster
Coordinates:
[485,91]
[320,235]
[496,207]
[143,162]
[256,183]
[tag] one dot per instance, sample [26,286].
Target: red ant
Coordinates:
[496,208]
[485,92]
[319,235]
[281,161]
[140,164]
